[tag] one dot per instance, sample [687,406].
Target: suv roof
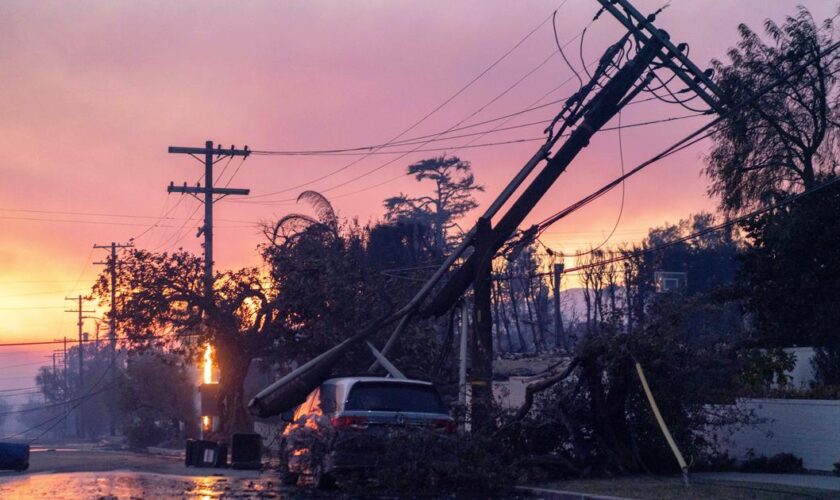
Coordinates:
[352,380]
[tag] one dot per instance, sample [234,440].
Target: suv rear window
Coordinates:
[389,396]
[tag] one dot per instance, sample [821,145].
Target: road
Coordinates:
[89,473]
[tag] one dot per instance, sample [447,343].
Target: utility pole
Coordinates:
[112,322]
[611,97]
[481,368]
[462,353]
[209,191]
[111,262]
[80,323]
[559,333]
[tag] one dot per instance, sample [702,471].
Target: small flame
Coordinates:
[208,364]
[205,422]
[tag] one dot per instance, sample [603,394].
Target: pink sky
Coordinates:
[92,93]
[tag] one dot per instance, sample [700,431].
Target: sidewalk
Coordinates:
[831,483]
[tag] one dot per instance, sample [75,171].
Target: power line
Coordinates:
[55,420]
[86,341]
[27,308]
[469,146]
[56,405]
[435,137]
[97,222]
[623,194]
[724,225]
[414,125]
[20,389]
[354,151]
[696,136]
[104,214]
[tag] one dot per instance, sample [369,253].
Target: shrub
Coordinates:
[141,433]
[779,464]
[426,463]
[716,462]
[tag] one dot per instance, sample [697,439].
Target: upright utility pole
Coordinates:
[112,322]
[481,372]
[80,323]
[112,269]
[208,190]
[559,333]
[462,353]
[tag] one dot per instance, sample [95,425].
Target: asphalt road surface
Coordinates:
[59,473]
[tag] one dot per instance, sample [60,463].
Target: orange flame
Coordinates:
[208,364]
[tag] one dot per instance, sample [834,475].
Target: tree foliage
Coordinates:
[156,397]
[787,139]
[454,185]
[791,275]
[334,279]
[162,304]
[593,407]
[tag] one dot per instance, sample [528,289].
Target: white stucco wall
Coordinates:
[810,429]
[803,371]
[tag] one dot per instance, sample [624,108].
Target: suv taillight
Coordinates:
[350,422]
[445,425]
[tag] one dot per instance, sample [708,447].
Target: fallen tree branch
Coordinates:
[542,385]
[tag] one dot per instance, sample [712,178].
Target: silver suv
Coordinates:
[345,423]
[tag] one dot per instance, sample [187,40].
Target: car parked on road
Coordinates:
[345,424]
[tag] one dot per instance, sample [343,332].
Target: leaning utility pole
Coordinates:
[80,323]
[112,322]
[582,116]
[208,190]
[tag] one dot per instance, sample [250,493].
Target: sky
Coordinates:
[92,94]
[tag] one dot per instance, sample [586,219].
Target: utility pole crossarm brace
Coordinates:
[217,151]
[642,27]
[172,188]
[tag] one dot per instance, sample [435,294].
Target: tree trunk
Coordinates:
[534,332]
[505,320]
[497,318]
[515,312]
[233,366]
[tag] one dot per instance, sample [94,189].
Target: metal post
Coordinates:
[462,354]
[462,359]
